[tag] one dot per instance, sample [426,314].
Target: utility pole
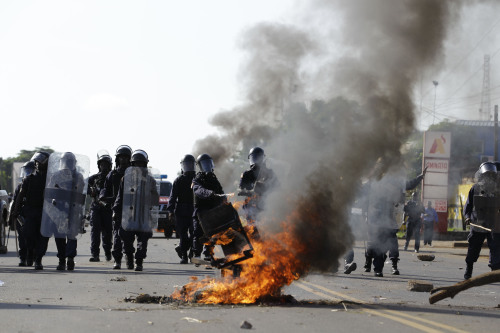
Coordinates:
[435,92]
[484,112]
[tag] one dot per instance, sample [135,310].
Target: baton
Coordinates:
[17,246]
[480,227]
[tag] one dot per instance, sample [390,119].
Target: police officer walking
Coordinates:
[109,193]
[181,206]
[30,201]
[481,209]
[25,255]
[208,193]
[134,209]
[101,223]
[256,182]
[413,210]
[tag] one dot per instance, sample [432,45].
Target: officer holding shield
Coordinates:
[481,210]
[134,206]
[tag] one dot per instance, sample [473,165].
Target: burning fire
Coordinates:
[274,264]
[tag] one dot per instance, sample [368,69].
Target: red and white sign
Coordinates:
[437,144]
[441,206]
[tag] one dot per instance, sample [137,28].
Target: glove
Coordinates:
[171,217]
[467,221]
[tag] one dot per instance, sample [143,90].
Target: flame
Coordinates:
[274,264]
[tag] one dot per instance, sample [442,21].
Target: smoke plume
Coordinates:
[326,105]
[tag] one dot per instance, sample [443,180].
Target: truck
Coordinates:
[165,225]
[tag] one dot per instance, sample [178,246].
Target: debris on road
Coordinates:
[119,278]
[421,286]
[246,325]
[426,257]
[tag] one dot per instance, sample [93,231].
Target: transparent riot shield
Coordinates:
[140,200]
[64,196]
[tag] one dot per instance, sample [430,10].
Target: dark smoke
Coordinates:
[362,82]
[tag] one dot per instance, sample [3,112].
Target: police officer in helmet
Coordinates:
[30,200]
[101,224]
[181,206]
[139,159]
[485,188]
[256,182]
[208,193]
[110,191]
[25,255]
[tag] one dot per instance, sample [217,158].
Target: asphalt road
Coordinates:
[92,299]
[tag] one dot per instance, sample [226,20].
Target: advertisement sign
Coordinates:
[437,144]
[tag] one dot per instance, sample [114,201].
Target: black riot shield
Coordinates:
[140,200]
[64,196]
[488,212]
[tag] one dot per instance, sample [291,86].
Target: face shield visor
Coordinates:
[27,170]
[187,166]
[256,159]
[206,165]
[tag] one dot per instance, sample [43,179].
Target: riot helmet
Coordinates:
[104,161]
[139,158]
[41,159]
[68,161]
[187,163]
[124,150]
[256,156]
[27,169]
[122,156]
[205,163]
[487,169]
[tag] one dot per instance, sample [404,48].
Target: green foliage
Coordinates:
[6,165]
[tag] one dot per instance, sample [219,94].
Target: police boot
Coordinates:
[130,262]
[22,262]
[138,265]
[468,272]
[179,251]
[368,264]
[184,259]
[94,259]
[118,264]
[62,264]
[107,255]
[395,270]
[38,264]
[29,261]
[71,264]
[351,267]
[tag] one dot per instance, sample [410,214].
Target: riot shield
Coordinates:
[140,200]
[64,196]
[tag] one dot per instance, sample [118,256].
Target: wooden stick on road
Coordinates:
[451,291]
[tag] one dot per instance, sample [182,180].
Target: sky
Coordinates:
[83,76]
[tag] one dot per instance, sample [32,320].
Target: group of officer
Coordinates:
[194,193]
[122,203]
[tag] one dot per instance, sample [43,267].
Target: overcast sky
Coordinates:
[88,75]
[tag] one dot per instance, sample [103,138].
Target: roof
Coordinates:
[477,123]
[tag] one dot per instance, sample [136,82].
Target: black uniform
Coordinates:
[30,202]
[100,218]
[25,255]
[205,187]
[259,180]
[181,203]
[108,195]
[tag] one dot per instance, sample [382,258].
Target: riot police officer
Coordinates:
[208,193]
[25,255]
[413,210]
[255,182]
[100,214]
[30,199]
[479,210]
[136,224]
[110,191]
[181,204]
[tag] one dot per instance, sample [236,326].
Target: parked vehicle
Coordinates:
[164,224]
